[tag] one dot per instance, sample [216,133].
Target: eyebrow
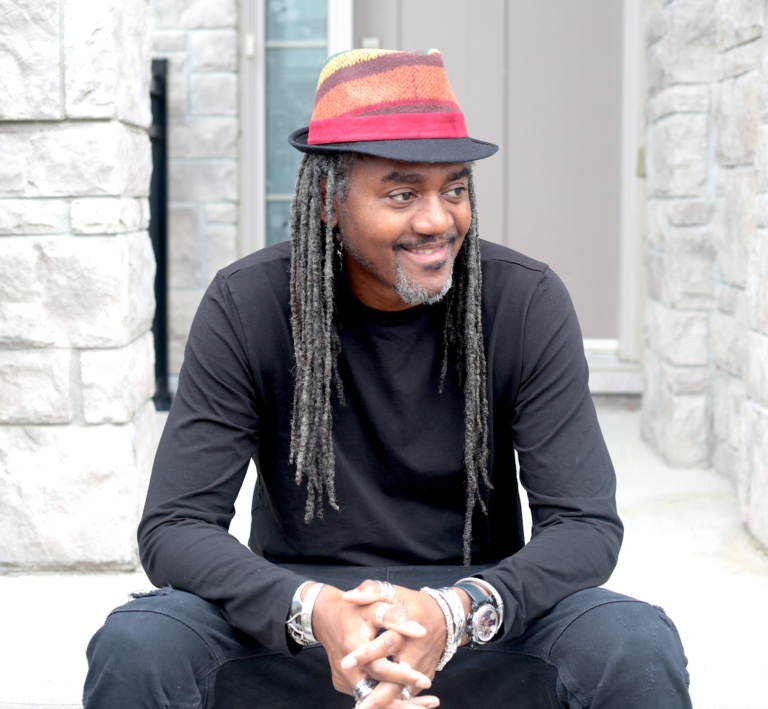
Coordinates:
[416,178]
[458,175]
[409,178]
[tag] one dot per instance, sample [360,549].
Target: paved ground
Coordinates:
[685,550]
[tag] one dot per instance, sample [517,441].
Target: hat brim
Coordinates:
[434,150]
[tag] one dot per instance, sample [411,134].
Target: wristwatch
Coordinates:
[483,621]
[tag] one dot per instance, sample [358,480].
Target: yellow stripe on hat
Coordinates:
[345,59]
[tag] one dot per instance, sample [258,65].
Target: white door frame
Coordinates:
[252,167]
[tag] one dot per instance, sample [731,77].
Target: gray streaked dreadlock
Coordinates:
[315,263]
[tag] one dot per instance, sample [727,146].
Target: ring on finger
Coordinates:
[387,591]
[363,688]
[405,695]
[380,611]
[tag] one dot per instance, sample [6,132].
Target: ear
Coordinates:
[323,215]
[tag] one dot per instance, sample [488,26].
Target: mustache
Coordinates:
[426,243]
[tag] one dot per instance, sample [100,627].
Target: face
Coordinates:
[402,225]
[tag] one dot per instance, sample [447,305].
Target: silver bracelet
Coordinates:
[453,610]
[491,590]
[299,623]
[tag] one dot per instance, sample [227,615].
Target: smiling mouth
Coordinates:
[430,250]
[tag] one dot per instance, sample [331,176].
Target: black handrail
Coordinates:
[158,228]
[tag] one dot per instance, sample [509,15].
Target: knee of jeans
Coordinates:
[145,642]
[628,634]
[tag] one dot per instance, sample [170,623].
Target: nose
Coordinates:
[432,217]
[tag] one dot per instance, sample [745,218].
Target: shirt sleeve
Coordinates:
[211,433]
[564,466]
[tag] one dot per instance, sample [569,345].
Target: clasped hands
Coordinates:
[414,638]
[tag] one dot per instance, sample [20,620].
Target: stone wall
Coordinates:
[77,429]
[199,38]
[706,360]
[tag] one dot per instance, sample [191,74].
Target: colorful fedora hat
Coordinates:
[396,105]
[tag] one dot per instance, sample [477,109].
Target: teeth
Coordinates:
[424,251]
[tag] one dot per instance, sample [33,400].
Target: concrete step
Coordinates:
[685,549]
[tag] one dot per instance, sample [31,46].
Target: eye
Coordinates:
[456,191]
[402,196]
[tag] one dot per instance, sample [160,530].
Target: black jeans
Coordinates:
[595,649]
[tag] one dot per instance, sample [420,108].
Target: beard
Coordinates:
[415,294]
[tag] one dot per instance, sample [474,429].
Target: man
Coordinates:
[390,363]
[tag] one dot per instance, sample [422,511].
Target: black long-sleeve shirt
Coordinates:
[398,443]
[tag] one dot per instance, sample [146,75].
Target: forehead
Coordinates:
[374,170]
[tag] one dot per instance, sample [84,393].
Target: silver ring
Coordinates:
[363,688]
[386,591]
[380,611]
[405,695]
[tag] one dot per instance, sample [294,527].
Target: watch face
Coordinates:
[486,623]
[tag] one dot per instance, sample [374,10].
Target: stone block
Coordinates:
[75,291]
[222,247]
[677,165]
[735,223]
[30,71]
[757,282]
[682,426]
[685,98]
[655,271]
[679,337]
[106,76]
[728,343]
[178,83]
[74,158]
[656,222]
[737,114]
[739,21]
[71,496]
[118,382]
[653,21]
[184,247]
[202,138]
[198,181]
[183,306]
[169,41]
[729,298]
[684,380]
[34,387]
[225,213]
[757,506]
[761,210]
[213,50]
[106,215]
[195,13]
[652,398]
[214,94]
[34,216]
[690,212]
[689,272]
[739,60]
[728,401]
[761,155]
[689,45]
[757,367]
[725,460]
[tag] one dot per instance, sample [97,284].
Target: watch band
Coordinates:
[483,611]
[488,587]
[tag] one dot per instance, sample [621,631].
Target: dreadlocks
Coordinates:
[315,263]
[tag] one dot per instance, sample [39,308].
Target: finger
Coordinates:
[430,702]
[368,591]
[384,694]
[399,673]
[397,618]
[386,644]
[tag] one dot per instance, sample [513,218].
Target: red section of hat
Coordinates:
[392,126]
